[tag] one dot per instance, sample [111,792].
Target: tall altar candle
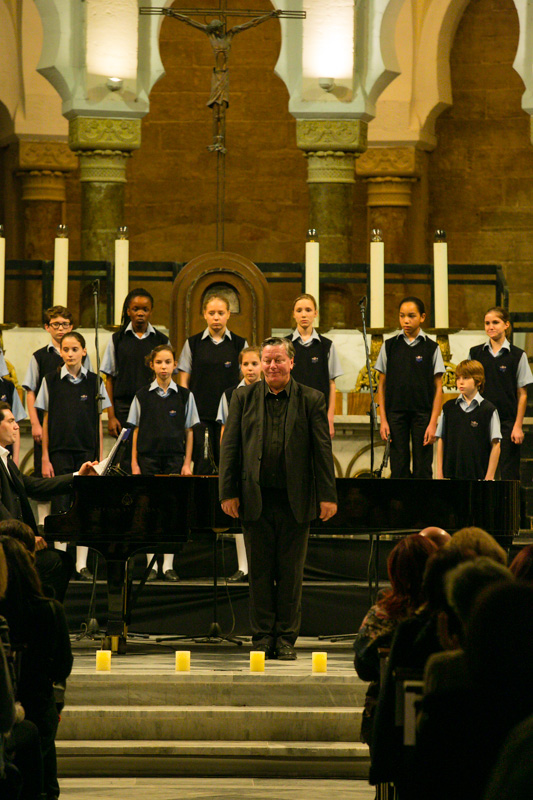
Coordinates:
[377,280]
[2,272]
[122,260]
[60,293]
[312,266]
[440,280]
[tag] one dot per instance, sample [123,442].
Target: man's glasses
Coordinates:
[57,325]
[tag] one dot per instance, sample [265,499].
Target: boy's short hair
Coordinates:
[471,369]
[251,349]
[56,311]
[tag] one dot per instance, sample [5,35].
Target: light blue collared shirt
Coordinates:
[495,429]
[185,359]
[109,361]
[42,400]
[16,406]
[191,412]
[438,363]
[524,376]
[32,377]
[334,364]
[222,413]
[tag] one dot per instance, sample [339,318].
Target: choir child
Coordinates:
[250,363]
[209,364]
[410,393]
[507,375]
[72,425]
[316,363]
[163,415]
[469,429]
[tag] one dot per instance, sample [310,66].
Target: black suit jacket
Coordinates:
[308,452]
[15,488]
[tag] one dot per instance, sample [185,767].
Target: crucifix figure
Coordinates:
[220,40]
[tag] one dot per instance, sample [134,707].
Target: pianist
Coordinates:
[15,488]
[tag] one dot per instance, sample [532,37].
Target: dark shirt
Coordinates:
[273,471]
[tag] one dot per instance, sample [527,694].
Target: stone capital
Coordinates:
[103,166]
[43,185]
[395,162]
[389,191]
[46,156]
[330,167]
[103,133]
[327,135]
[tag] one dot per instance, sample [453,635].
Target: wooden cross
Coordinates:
[220,39]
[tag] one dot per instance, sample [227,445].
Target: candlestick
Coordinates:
[440,280]
[377,280]
[103,660]
[2,272]
[319,662]
[122,260]
[257,661]
[312,266]
[183,660]
[60,293]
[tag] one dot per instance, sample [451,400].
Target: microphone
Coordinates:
[95,286]
[362,301]
[387,452]
[206,444]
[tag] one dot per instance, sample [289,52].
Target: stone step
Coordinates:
[201,758]
[211,689]
[222,723]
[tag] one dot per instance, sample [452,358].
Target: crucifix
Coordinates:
[220,39]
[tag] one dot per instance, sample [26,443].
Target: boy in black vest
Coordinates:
[469,430]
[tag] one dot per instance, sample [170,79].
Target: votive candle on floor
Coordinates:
[103,660]
[320,662]
[257,661]
[183,660]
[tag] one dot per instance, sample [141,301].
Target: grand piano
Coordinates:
[118,516]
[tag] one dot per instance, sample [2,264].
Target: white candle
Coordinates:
[319,662]
[60,294]
[2,273]
[257,661]
[440,283]
[122,258]
[183,660]
[312,269]
[377,284]
[103,660]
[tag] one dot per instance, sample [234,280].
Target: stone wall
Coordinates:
[480,175]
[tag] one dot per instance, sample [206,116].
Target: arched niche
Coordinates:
[239,278]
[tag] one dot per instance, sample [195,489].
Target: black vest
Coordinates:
[500,378]
[72,413]
[215,368]
[47,361]
[132,372]
[7,390]
[410,382]
[467,443]
[311,365]
[162,423]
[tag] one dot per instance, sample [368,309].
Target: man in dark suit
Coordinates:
[277,474]
[15,487]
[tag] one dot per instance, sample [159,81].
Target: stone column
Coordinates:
[42,169]
[391,174]
[331,148]
[104,146]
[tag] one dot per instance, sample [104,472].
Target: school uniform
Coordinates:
[225,400]
[73,421]
[213,367]
[45,360]
[163,417]
[316,362]
[505,372]
[124,361]
[467,431]
[9,394]
[410,367]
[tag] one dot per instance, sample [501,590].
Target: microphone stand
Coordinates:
[90,629]
[373,416]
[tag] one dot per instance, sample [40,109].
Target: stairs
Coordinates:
[285,722]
